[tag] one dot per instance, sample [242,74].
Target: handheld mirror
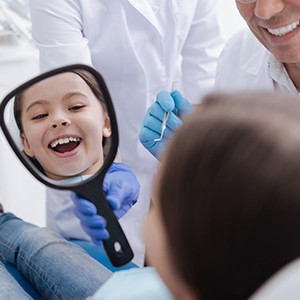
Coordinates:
[63,128]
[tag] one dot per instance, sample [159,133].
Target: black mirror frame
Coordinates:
[114,140]
[117,246]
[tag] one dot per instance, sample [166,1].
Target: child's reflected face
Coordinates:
[64,125]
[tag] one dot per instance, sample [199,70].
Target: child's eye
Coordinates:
[39,116]
[76,107]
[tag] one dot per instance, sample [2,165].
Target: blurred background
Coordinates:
[20,193]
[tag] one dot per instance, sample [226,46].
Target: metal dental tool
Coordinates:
[166,116]
[163,126]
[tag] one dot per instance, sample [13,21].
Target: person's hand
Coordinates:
[122,190]
[121,187]
[91,223]
[177,106]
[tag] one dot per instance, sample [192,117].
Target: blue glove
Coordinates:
[122,190]
[172,102]
[91,223]
[121,187]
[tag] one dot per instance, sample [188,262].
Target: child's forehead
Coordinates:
[58,82]
[57,86]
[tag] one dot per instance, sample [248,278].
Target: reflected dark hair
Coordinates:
[230,194]
[89,79]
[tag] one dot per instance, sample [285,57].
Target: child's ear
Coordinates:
[25,145]
[106,129]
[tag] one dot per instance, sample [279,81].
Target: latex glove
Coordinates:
[91,223]
[121,187]
[172,102]
[122,190]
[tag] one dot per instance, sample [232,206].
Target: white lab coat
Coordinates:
[140,48]
[246,65]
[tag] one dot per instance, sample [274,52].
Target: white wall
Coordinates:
[230,17]
[20,193]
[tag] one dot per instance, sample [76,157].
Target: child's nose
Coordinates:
[57,123]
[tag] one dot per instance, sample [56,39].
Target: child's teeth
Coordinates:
[64,141]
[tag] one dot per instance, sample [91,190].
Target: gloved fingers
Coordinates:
[151,129]
[152,147]
[97,234]
[173,123]
[118,194]
[119,213]
[153,124]
[155,148]
[182,105]
[148,135]
[83,206]
[154,111]
[166,135]
[114,189]
[118,166]
[95,222]
[121,186]
[166,101]
[125,204]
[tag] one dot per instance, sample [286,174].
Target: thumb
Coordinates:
[182,105]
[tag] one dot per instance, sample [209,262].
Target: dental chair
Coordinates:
[94,251]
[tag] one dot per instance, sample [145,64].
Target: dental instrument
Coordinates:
[163,126]
[166,116]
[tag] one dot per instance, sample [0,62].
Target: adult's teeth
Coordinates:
[64,141]
[284,30]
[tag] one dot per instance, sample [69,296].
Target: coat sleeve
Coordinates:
[58,34]
[201,49]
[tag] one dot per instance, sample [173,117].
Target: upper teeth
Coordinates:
[284,30]
[64,141]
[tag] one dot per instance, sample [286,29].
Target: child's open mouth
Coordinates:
[65,144]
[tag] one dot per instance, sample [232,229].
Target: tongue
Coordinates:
[66,147]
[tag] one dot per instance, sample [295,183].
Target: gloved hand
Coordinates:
[172,102]
[121,187]
[91,223]
[122,190]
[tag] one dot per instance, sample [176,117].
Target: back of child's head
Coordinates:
[230,193]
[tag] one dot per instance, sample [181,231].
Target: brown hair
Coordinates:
[89,79]
[230,193]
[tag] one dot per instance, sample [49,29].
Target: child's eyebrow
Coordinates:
[65,97]
[37,102]
[76,93]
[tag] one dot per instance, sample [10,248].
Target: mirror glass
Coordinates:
[61,125]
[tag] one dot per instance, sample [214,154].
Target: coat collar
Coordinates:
[145,9]
[256,56]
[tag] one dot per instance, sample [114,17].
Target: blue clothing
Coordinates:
[57,269]
[134,284]
[10,288]
[74,179]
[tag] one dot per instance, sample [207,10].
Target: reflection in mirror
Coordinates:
[62,125]
[63,128]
